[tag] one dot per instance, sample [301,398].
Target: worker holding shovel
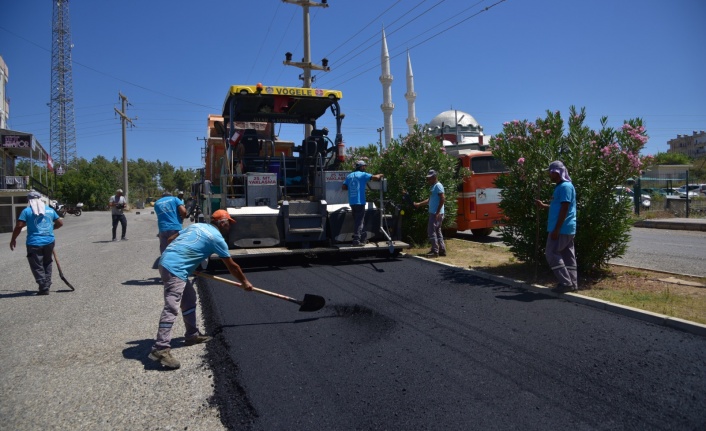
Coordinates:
[41,221]
[186,250]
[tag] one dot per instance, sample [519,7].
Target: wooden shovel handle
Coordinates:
[255,289]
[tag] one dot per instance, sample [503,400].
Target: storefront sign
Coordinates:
[16,141]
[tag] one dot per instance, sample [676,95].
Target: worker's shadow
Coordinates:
[145,282]
[139,350]
[17,293]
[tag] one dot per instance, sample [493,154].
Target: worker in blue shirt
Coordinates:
[185,252]
[355,184]
[41,220]
[170,212]
[561,228]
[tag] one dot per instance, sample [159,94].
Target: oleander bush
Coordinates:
[597,160]
[405,163]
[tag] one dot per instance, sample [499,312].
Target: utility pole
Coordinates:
[124,119]
[380,129]
[62,128]
[306,63]
[204,149]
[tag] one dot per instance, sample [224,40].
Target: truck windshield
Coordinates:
[486,164]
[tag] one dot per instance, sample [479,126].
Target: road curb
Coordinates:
[679,274]
[696,225]
[623,310]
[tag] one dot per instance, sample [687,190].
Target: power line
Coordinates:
[112,76]
[374,20]
[427,39]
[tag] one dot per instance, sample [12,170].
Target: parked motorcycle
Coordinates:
[59,208]
[75,210]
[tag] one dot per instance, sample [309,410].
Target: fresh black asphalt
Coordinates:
[408,344]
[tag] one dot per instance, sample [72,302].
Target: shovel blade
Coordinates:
[312,303]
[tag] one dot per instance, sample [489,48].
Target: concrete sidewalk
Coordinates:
[698,224]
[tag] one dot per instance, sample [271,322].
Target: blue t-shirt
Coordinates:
[434,198]
[356,181]
[40,229]
[191,247]
[563,192]
[167,212]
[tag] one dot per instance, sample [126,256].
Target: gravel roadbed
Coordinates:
[78,360]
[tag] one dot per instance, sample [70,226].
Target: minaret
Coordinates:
[411,96]
[386,79]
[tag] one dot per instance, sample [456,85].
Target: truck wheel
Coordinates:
[482,232]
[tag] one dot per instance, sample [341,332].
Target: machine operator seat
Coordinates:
[250,143]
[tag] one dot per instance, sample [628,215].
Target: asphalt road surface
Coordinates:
[678,251]
[408,344]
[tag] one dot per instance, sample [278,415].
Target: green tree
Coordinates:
[405,162]
[184,178]
[142,178]
[597,162]
[671,159]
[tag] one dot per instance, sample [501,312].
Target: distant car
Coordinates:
[627,193]
[668,191]
[693,191]
[654,192]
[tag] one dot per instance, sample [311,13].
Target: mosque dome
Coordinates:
[449,119]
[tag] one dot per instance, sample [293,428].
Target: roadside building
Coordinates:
[17,145]
[667,172]
[693,145]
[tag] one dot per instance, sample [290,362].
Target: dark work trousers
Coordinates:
[123,222]
[436,238]
[163,237]
[178,294]
[359,234]
[561,257]
[40,262]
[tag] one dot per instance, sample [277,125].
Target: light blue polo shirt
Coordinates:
[563,192]
[434,198]
[40,229]
[356,181]
[167,210]
[191,247]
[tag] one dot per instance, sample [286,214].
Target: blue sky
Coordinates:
[175,60]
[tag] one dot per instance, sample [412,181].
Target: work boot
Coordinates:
[197,340]
[564,288]
[43,292]
[432,254]
[442,253]
[164,357]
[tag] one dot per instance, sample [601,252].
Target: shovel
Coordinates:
[61,273]
[309,303]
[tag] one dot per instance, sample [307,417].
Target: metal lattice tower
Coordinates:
[62,128]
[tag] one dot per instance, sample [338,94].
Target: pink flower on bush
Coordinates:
[521,161]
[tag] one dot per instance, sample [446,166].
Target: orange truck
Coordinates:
[478,197]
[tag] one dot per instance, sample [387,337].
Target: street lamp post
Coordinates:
[380,129]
